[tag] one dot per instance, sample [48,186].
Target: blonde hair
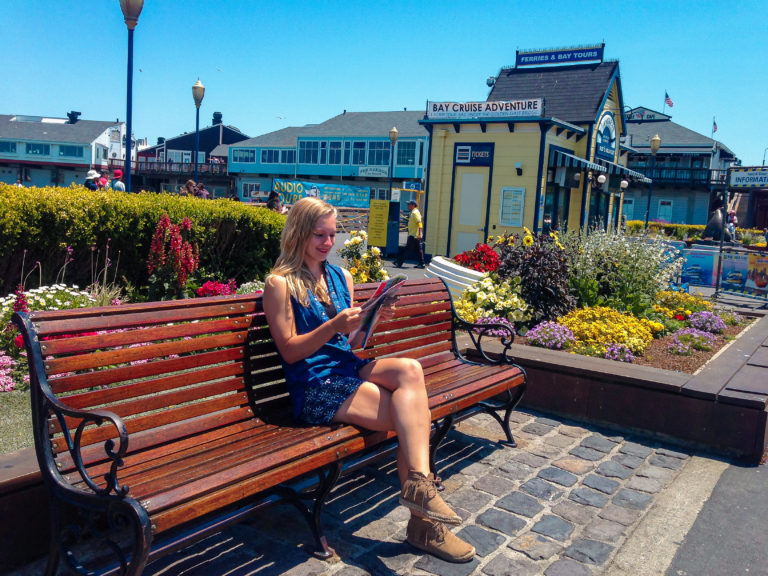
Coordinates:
[299,226]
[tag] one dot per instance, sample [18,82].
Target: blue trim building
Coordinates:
[351,149]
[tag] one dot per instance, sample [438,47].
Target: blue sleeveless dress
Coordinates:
[320,383]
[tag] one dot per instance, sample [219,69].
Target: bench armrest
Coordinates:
[97,417]
[498,332]
[44,402]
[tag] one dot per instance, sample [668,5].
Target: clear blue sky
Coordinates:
[271,64]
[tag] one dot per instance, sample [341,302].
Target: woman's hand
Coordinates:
[347,320]
[387,312]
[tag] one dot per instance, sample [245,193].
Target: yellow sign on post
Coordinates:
[377,223]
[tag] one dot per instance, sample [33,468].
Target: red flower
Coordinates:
[19,341]
[679,317]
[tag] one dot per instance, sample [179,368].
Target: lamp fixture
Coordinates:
[198,92]
[601,179]
[623,184]
[577,176]
[519,168]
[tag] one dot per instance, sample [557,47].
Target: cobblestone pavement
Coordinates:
[562,503]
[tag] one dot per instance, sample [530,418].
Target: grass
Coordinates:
[15,421]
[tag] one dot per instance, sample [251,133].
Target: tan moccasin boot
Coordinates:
[419,493]
[433,537]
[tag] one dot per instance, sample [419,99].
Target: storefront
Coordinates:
[541,152]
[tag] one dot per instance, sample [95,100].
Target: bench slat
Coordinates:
[148,352]
[71,383]
[128,316]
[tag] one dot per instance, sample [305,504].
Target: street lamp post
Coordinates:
[393,134]
[764,151]
[131,11]
[198,91]
[655,145]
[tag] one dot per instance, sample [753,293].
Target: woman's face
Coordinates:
[322,239]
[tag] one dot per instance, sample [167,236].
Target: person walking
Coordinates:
[415,233]
[92,180]
[117,181]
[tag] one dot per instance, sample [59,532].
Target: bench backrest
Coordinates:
[175,369]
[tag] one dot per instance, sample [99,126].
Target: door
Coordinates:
[469,208]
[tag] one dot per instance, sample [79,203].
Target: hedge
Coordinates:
[235,240]
[685,231]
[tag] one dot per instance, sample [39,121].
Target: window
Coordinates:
[244,155]
[308,152]
[7,147]
[665,211]
[323,152]
[334,152]
[358,153]
[421,153]
[628,209]
[406,153]
[72,151]
[511,209]
[347,148]
[270,156]
[39,149]
[378,153]
[288,156]
[174,155]
[251,189]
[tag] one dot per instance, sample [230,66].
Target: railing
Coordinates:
[691,176]
[144,168]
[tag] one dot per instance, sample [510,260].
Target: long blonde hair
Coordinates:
[299,226]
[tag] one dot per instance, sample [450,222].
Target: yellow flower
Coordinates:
[363,277]
[528,240]
[353,271]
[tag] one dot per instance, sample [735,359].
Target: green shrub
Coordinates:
[38,224]
[610,269]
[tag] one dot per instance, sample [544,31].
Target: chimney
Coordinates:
[73,117]
[216,118]
[160,140]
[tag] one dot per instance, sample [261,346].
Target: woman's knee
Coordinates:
[412,372]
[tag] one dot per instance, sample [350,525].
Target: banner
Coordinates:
[561,56]
[745,274]
[699,267]
[335,194]
[532,107]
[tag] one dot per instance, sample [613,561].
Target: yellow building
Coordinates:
[542,152]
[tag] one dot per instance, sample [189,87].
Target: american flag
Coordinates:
[714,126]
[668,100]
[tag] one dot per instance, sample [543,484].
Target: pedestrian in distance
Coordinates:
[19,184]
[92,180]
[189,189]
[117,181]
[415,233]
[275,204]
[201,192]
[309,305]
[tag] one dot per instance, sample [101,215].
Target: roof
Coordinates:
[49,129]
[574,93]
[231,133]
[674,138]
[347,124]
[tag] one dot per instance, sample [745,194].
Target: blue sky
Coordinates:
[267,65]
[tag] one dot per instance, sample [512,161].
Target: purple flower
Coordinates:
[686,340]
[551,335]
[493,331]
[619,353]
[707,321]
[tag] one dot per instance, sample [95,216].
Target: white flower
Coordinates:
[376,251]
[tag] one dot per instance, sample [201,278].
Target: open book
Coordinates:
[385,295]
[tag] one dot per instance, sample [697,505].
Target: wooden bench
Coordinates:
[160,423]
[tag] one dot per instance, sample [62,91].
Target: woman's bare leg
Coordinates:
[394,398]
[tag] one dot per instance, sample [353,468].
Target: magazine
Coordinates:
[385,295]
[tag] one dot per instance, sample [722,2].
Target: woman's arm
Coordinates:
[292,346]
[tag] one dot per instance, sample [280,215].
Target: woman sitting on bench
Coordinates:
[308,304]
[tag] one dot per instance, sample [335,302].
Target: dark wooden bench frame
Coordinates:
[196,379]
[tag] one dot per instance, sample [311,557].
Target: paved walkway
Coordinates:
[570,500]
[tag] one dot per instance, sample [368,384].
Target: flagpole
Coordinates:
[712,137]
[664,106]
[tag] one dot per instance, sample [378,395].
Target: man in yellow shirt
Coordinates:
[415,233]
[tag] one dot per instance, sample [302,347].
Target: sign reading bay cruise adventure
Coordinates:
[496,109]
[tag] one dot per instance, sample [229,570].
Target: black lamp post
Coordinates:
[655,145]
[198,91]
[393,134]
[131,10]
